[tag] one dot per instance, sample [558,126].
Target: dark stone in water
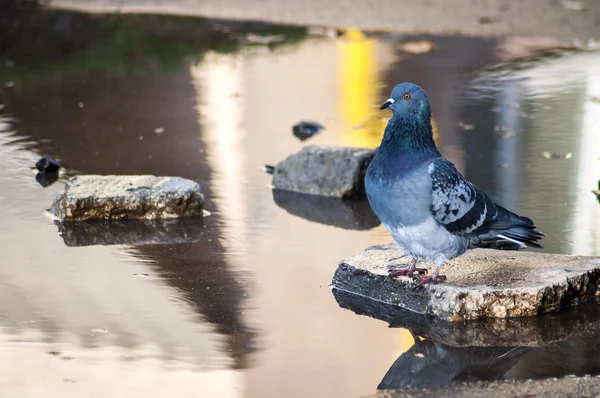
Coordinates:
[269,169]
[47,164]
[305,130]
[348,213]
[45,179]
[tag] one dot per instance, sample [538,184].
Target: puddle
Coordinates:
[241,299]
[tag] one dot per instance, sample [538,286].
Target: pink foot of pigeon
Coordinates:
[409,269]
[433,278]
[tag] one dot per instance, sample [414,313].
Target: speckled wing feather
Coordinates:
[458,205]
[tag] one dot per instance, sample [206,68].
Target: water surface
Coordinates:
[244,308]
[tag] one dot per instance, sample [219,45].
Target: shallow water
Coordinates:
[243,307]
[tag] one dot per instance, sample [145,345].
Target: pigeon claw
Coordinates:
[425,279]
[404,271]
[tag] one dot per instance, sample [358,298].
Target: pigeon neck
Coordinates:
[409,136]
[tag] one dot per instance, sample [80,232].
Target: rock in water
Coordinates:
[114,197]
[47,164]
[481,284]
[305,130]
[326,171]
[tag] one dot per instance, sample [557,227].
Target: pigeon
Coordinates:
[431,211]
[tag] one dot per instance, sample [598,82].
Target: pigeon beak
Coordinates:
[387,104]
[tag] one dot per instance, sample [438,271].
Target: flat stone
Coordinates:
[481,283]
[139,196]
[325,171]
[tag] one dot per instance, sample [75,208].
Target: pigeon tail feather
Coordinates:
[510,232]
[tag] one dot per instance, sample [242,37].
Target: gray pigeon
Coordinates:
[427,206]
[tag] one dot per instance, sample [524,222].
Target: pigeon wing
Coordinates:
[458,205]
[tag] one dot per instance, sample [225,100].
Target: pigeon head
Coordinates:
[408,98]
[409,129]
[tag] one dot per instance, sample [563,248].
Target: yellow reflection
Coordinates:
[362,122]
[404,340]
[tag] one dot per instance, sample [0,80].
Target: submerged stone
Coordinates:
[139,196]
[325,171]
[480,284]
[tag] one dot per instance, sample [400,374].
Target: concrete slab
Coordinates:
[535,18]
[481,283]
[325,171]
[136,196]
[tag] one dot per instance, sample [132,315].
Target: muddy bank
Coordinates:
[568,20]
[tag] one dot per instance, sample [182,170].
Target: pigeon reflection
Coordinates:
[430,363]
[550,345]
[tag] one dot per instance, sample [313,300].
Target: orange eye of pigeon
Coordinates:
[407,96]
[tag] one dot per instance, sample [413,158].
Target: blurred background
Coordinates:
[210,91]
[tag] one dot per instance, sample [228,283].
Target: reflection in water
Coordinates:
[131,231]
[359,88]
[428,363]
[543,114]
[350,213]
[551,345]
[46,179]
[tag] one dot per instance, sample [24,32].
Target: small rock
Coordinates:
[305,130]
[597,192]
[488,20]
[418,47]
[465,126]
[557,155]
[507,134]
[325,171]
[265,39]
[574,5]
[47,164]
[114,197]
[480,284]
